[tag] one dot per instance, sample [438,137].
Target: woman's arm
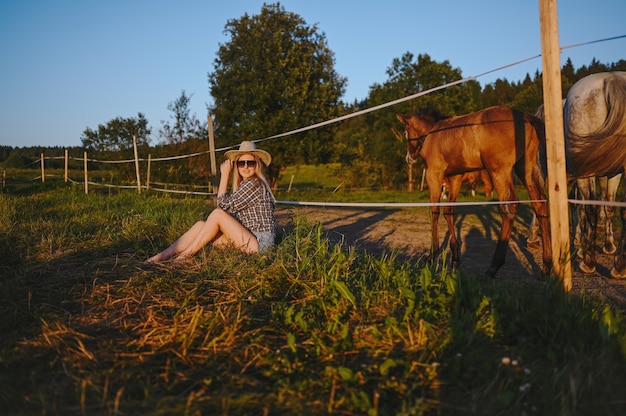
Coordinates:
[249,192]
[225,169]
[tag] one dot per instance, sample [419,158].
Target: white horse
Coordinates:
[594,118]
[608,192]
[595,140]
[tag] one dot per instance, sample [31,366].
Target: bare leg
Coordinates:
[179,245]
[220,227]
[221,222]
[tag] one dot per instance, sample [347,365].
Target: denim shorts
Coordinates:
[265,240]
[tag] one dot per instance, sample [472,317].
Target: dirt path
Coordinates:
[407,232]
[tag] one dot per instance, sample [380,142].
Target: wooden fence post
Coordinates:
[137,164]
[290,183]
[555,148]
[66,176]
[213,184]
[86,175]
[43,170]
[148,171]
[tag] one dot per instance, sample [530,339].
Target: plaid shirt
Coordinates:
[252,204]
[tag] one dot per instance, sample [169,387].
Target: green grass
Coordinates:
[312,328]
[311,176]
[323,183]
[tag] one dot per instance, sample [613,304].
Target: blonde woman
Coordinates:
[243,219]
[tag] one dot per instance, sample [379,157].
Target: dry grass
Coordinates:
[314,327]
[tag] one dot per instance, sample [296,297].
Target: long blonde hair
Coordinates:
[258,172]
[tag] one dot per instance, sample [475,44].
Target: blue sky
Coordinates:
[69,65]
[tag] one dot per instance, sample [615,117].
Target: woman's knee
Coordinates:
[217,213]
[199,223]
[253,246]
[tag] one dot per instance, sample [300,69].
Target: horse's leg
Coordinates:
[472,180]
[484,175]
[603,184]
[505,189]
[434,181]
[588,220]
[608,192]
[619,267]
[575,218]
[534,238]
[535,187]
[444,191]
[448,213]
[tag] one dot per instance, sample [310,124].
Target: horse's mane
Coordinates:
[431,112]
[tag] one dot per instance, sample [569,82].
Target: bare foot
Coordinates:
[155,259]
[182,259]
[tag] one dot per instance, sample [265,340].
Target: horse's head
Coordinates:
[416,127]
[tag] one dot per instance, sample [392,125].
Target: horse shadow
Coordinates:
[478,229]
[347,226]
[407,235]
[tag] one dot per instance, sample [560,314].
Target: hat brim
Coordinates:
[261,154]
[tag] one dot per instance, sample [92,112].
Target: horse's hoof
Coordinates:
[491,272]
[618,275]
[580,254]
[546,271]
[609,248]
[586,269]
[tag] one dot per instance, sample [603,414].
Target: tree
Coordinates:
[378,146]
[275,74]
[568,76]
[528,99]
[407,77]
[5,151]
[619,65]
[117,134]
[17,159]
[186,126]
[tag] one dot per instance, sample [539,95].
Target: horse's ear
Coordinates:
[401,117]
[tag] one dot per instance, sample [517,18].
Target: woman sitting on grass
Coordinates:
[244,218]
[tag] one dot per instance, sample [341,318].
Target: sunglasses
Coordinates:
[246,163]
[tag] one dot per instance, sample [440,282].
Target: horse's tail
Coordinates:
[589,151]
[540,130]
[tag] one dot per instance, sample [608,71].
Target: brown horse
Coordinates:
[472,179]
[499,140]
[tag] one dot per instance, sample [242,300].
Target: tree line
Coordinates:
[276,74]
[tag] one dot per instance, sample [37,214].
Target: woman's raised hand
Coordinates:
[226,167]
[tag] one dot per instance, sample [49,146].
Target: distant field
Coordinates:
[308,182]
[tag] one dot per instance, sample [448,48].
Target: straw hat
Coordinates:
[247,147]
